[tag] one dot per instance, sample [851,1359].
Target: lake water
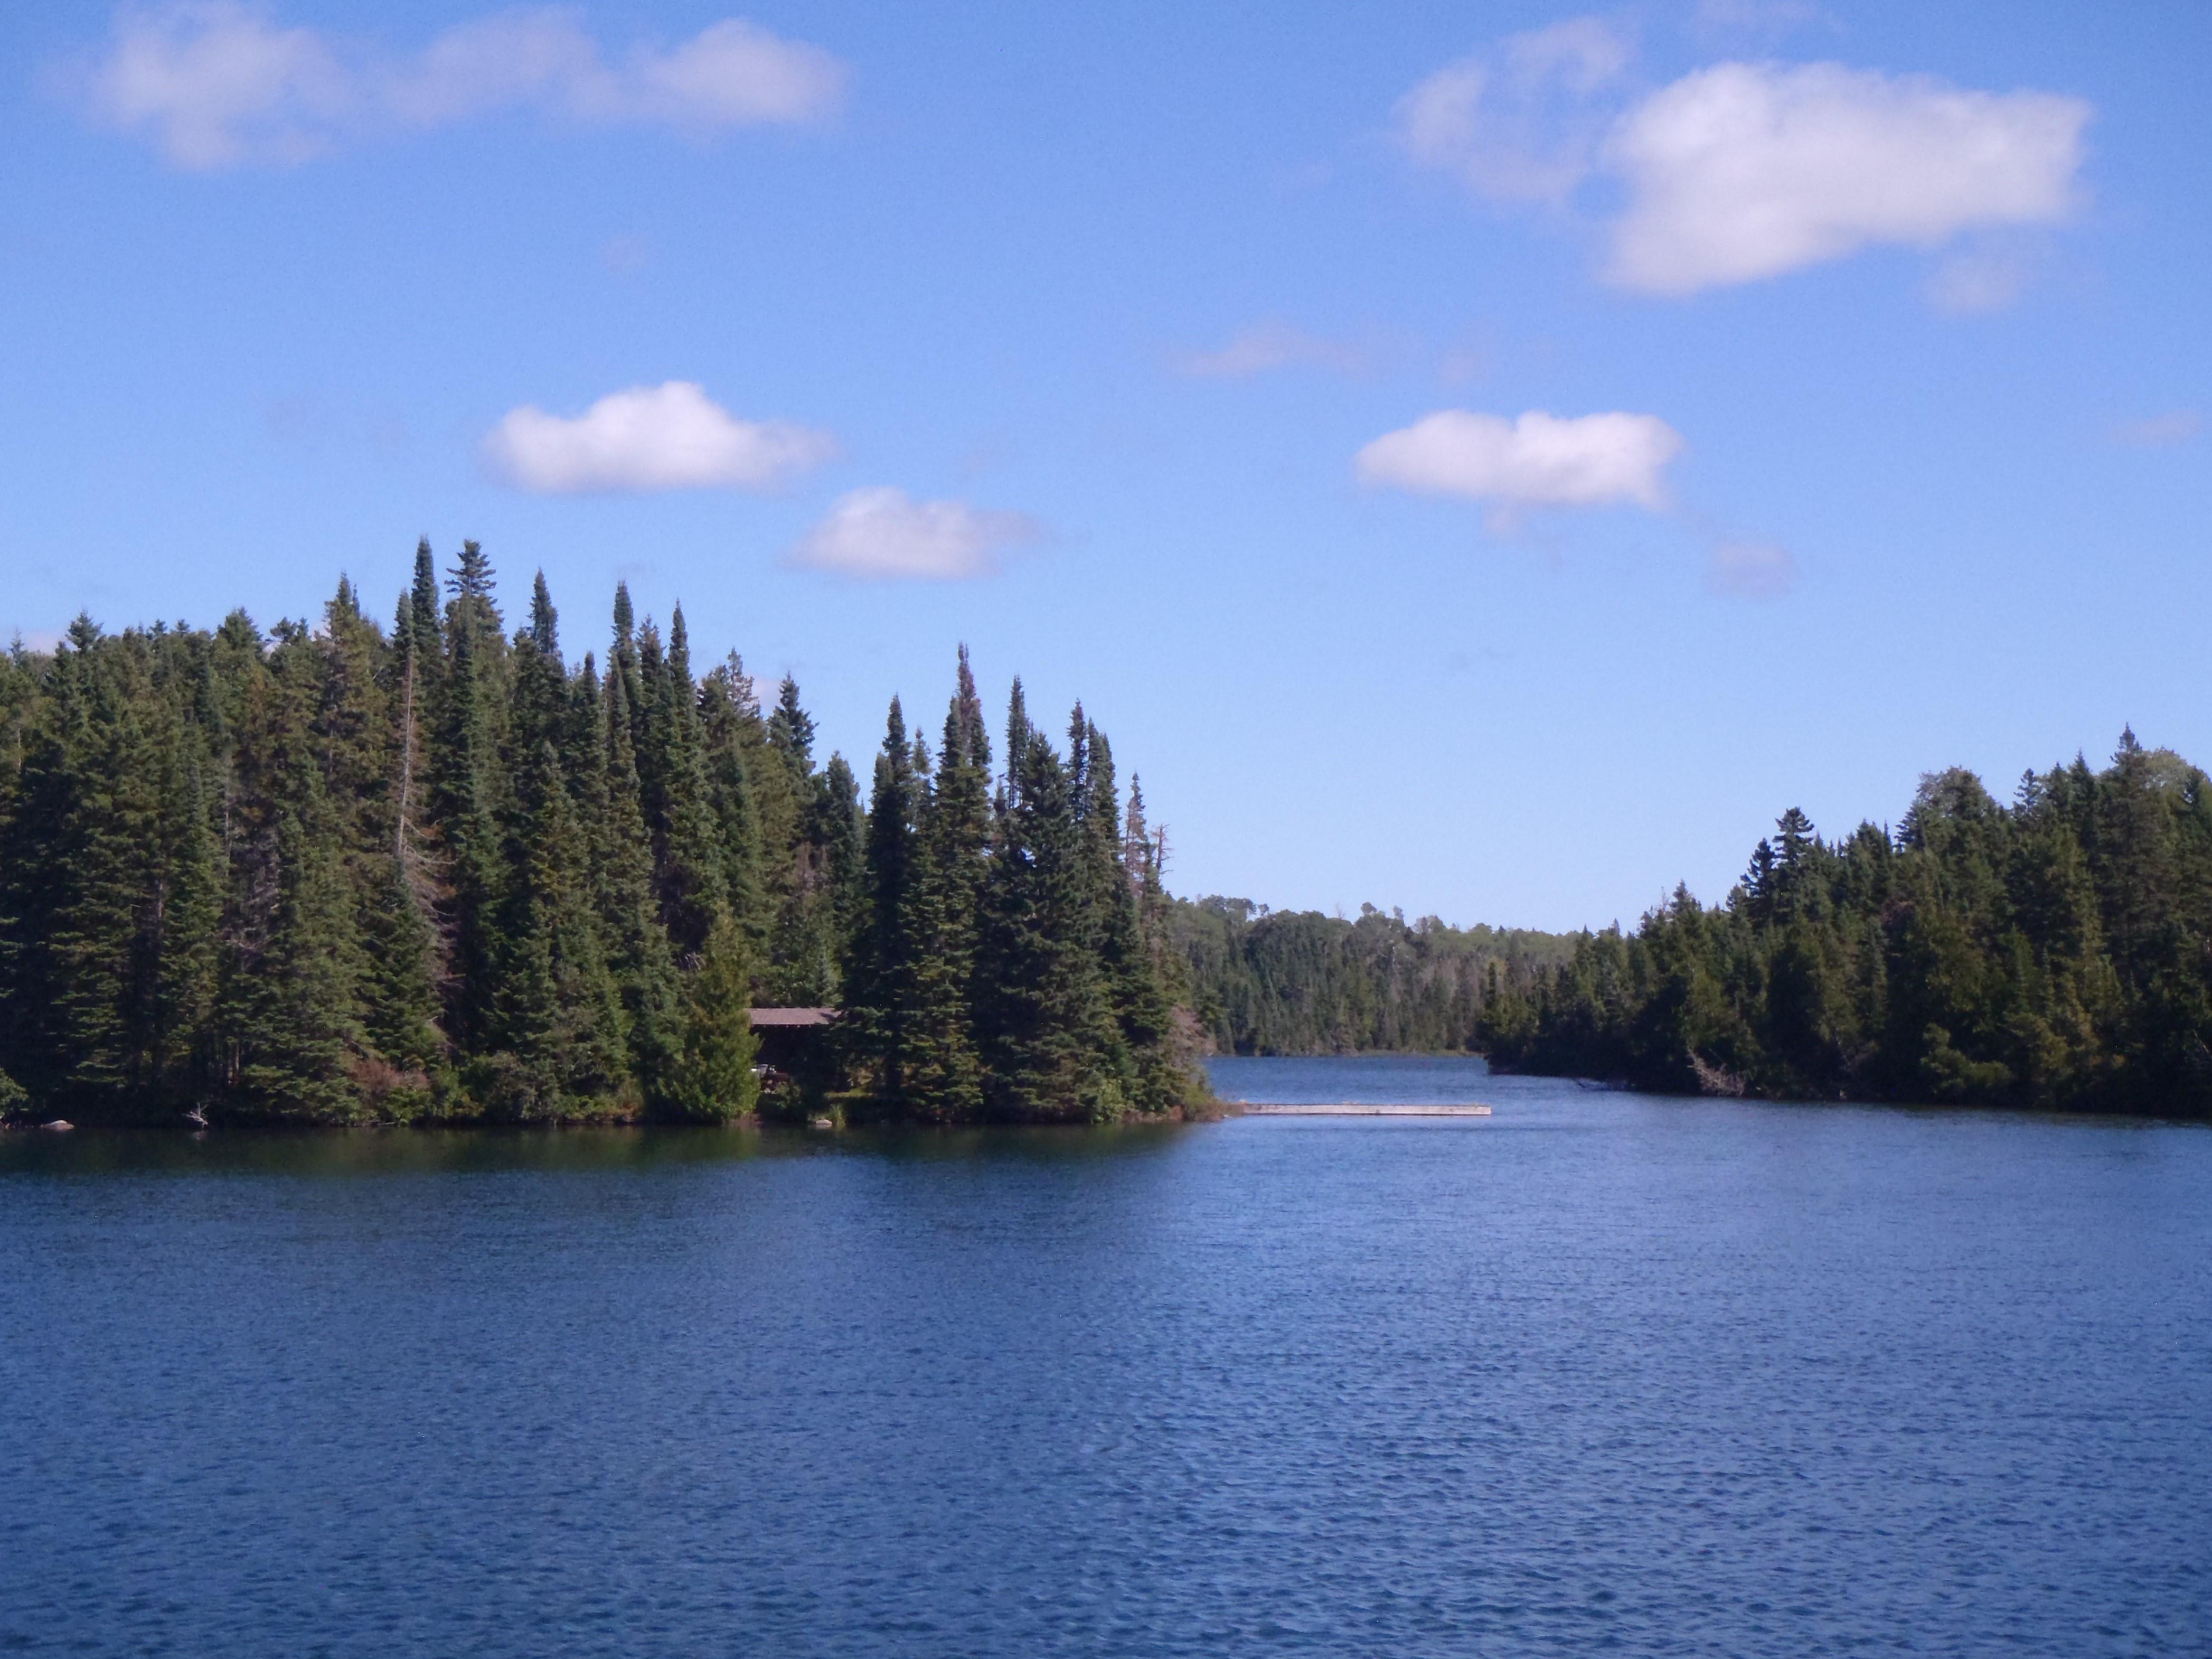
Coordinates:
[1598,1372]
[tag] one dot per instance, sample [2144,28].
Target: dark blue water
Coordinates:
[1599,1372]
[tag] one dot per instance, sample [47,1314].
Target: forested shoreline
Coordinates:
[343,873]
[347,873]
[1298,982]
[2056,952]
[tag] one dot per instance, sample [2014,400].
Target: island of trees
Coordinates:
[343,873]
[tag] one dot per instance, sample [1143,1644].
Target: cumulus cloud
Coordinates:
[1517,125]
[1537,460]
[884,534]
[1741,171]
[2177,427]
[219,83]
[1751,570]
[1744,171]
[672,436]
[1272,346]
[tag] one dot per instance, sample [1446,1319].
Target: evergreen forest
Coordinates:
[2053,952]
[351,873]
[1298,982]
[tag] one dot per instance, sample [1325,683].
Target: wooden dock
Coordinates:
[1359,1109]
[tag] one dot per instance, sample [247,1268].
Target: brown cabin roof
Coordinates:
[793,1016]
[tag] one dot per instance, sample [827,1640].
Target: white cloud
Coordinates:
[1538,461]
[1744,171]
[1752,570]
[2176,427]
[218,83]
[1516,125]
[883,533]
[1271,346]
[665,437]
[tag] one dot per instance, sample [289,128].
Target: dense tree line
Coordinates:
[1298,982]
[349,873]
[1012,959]
[2054,952]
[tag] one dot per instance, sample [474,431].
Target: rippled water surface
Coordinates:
[1599,1372]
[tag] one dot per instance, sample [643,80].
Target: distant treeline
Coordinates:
[2056,952]
[1298,982]
[342,874]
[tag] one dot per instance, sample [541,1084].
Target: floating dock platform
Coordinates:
[1358,1108]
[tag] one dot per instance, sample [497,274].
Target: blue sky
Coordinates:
[1233,368]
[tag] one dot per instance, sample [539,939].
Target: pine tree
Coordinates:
[1042,1008]
[469,794]
[289,1013]
[880,991]
[724,722]
[1128,967]
[629,909]
[559,1023]
[944,1073]
[688,868]
[712,1078]
[292,1027]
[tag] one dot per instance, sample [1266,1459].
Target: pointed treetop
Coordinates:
[1079,754]
[544,622]
[421,608]
[625,620]
[790,728]
[966,742]
[1017,740]
[472,578]
[679,646]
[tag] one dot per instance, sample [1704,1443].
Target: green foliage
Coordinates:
[2054,953]
[1298,982]
[341,874]
[1004,969]
[712,1078]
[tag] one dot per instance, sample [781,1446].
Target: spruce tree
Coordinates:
[559,1022]
[689,867]
[1042,1008]
[468,794]
[629,909]
[724,721]
[880,991]
[712,1078]
[944,1073]
[1128,966]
